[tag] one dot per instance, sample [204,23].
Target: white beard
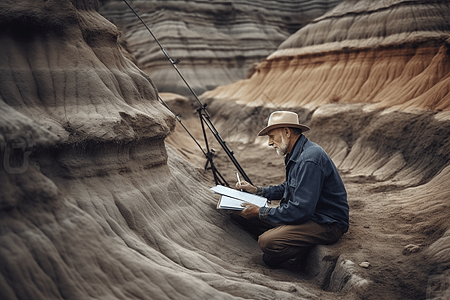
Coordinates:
[282,151]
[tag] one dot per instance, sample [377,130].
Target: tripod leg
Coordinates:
[218,177]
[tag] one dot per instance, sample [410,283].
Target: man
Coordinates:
[313,208]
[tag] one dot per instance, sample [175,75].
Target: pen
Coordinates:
[239,180]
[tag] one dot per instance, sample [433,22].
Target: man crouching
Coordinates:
[313,208]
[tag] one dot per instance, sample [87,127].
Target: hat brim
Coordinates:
[265,130]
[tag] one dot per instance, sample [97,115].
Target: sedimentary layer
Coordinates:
[394,53]
[93,204]
[104,209]
[216,41]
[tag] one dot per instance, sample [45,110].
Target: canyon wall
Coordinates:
[393,53]
[217,42]
[357,60]
[93,204]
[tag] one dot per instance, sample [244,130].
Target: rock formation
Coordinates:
[216,41]
[102,209]
[364,52]
[394,53]
[94,204]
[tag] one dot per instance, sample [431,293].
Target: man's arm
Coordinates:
[273,192]
[250,210]
[304,198]
[244,185]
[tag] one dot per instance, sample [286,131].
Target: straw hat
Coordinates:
[281,119]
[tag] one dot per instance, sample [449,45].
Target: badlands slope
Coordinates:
[217,42]
[95,203]
[393,53]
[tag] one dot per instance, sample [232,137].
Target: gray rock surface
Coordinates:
[217,42]
[102,209]
[105,209]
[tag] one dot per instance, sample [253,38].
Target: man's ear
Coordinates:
[287,131]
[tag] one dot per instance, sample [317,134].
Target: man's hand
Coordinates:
[250,211]
[246,187]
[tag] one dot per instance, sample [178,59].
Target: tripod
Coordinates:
[205,118]
[218,178]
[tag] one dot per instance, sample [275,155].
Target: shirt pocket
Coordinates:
[290,188]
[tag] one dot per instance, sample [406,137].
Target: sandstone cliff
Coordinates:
[394,53]
[217,42]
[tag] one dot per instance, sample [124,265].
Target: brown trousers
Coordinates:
[285,242]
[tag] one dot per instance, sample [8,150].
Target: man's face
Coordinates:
[279,141]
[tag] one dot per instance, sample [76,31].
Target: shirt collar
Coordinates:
[296,150]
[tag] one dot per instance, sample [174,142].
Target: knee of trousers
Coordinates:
[267,243]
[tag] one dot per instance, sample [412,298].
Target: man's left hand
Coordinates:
[249,211]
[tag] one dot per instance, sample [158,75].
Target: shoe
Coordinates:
[296,264]
[272,263]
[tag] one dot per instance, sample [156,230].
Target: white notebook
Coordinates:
[232,199]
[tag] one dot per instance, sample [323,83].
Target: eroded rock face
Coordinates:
[217,42]
[395,60]
[62,66]
[393,53]
[101,210]
[105,210]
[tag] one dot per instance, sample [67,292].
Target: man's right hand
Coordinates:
[246,187]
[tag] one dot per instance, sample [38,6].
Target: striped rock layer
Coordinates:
[92,204]
[217,42]
[393,53]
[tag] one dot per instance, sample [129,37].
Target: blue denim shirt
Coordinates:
[313,189]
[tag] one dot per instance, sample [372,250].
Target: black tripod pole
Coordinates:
[218,178]
[204,115]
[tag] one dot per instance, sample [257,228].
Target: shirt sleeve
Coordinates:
[306,188]
[275,192]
